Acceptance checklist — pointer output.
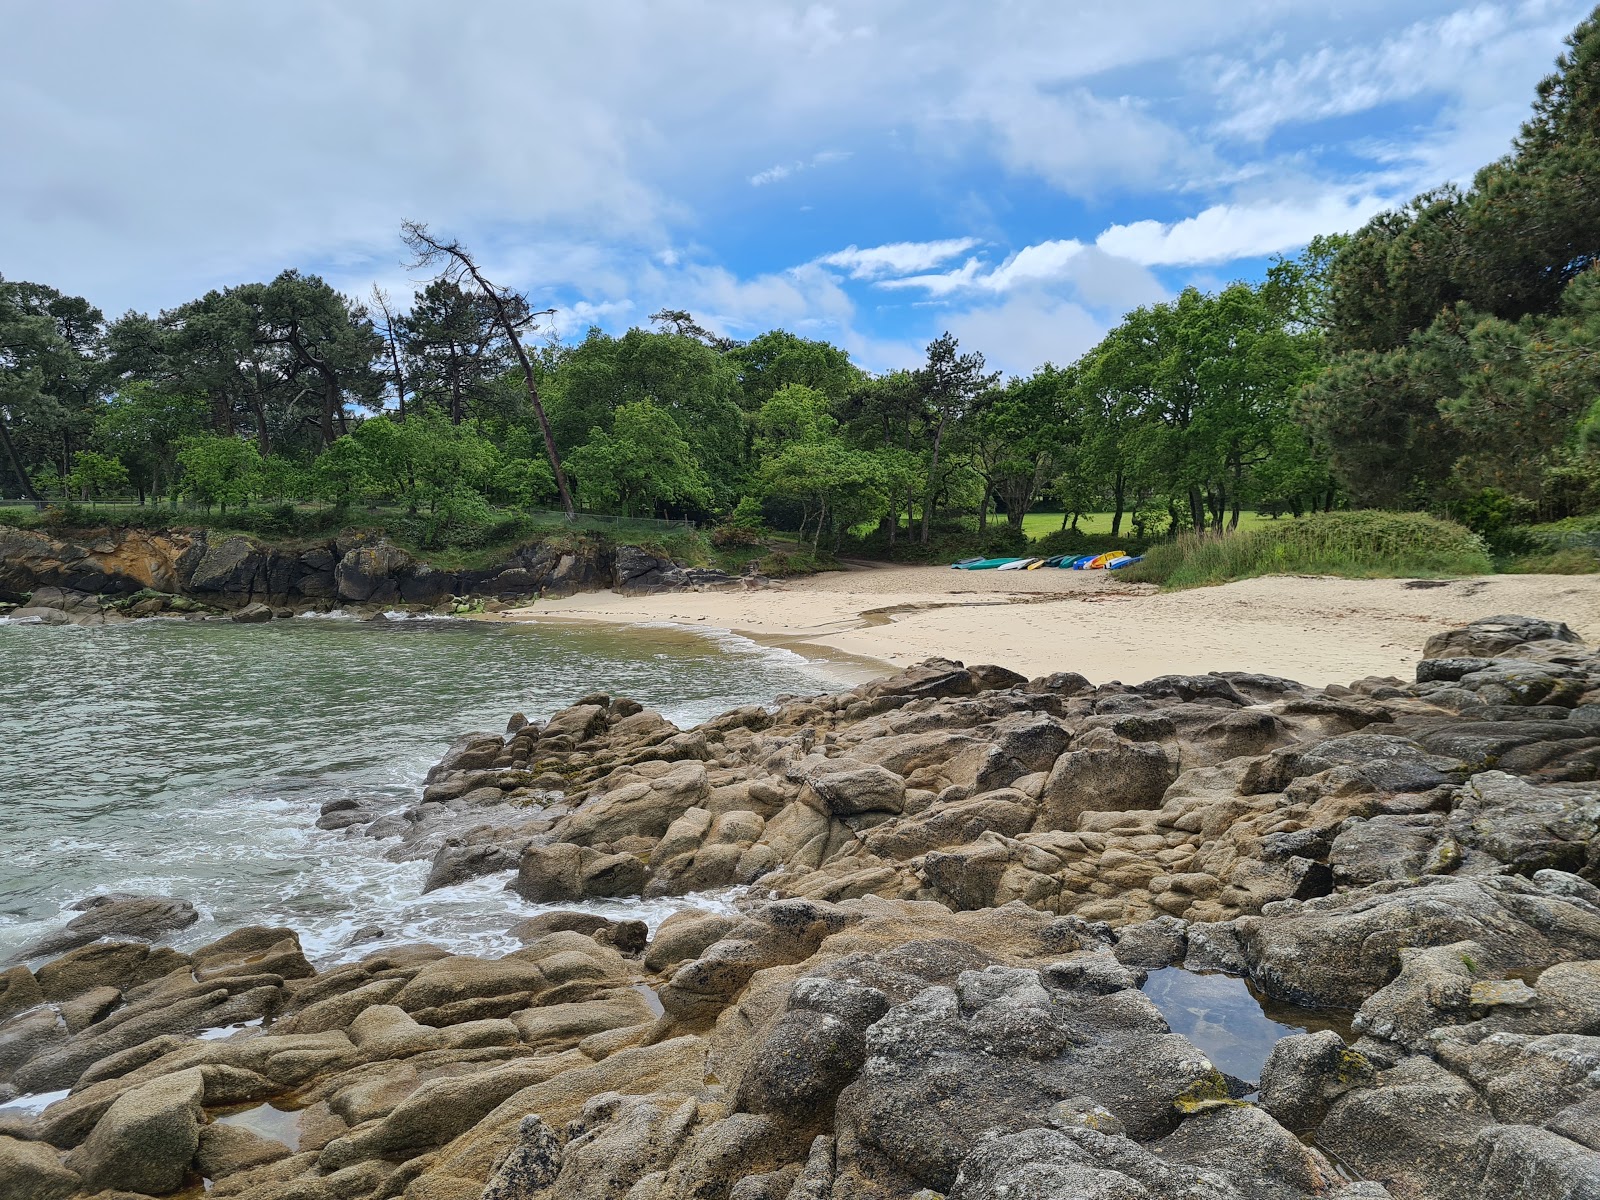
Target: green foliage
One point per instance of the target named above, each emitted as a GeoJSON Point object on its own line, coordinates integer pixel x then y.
{"type": "Point", "coordinates": [95, 474]}
{"type": "Point", "coordinates": [734, 537]}
{"type": "Point", "coordinates": [218, 470]}
{"type": "Point", "coordinates": [1491, 511]}
{"type": "Point", "coordinates": [1462, 327]}
{"type": "Point", "coordinates": [1575, 560]}
{"type": "Point", "coordinates": [1357, 545]}
{"type": "Point", "coordinates": [643, 461]}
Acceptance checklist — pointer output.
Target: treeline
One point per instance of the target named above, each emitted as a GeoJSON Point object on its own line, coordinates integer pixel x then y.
{"type": "Point", "coordinates": [1444, 358]}
{"type": "Point", "coordinates": [1463, 331]}
{"type": "Point", "coordinates": [289, 391]}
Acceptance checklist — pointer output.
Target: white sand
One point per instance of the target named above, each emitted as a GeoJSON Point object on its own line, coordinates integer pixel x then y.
{"type": "Point", "coordinates": [1314, 629]}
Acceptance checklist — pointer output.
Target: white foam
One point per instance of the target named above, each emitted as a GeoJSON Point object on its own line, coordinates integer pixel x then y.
{"type": "Point", "coordinates": [33, 1103]}
{"type": "Point", "coordinates": [217, 1032]}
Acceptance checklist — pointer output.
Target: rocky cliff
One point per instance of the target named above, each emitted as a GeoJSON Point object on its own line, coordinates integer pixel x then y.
{"type": "Point", "coordinates": [233, 572]}
{"type": "Point", "coordinates": [957, 883]}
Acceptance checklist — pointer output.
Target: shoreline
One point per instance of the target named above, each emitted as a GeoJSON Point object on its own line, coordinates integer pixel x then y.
{"type": "Point", "coordinates": [1316, 629]}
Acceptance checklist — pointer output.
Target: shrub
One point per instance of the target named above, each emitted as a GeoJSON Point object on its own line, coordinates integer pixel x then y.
{"type": "Point", "coordinates": [1574, 560]}
{"type": "Point", "coordinates": [734, 537]}
{"type": "Point", "coordinates": [1358, 545]}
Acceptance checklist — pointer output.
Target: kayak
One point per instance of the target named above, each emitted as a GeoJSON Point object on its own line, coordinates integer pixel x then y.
{"type": "Point", "coordinates": [981, 564]}
{"type": "Point", "coordinates": [1080, 563]}
{"type": "Point", "coordinates": [1017, 564]}
{"type": "Point", "coordinates": [1058, 560]}
{"type": "Point", "coordinates": [1125, 561]}
{"type": "Point", "coordinates": [1099, 562]}
{"type": "Point", "coordinates": [1037, 563]}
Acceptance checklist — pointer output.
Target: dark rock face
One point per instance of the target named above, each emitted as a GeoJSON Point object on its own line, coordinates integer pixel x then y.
{"type": "Point", "coordinates": [239, 572]}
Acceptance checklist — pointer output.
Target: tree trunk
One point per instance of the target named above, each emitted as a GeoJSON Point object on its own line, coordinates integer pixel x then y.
{"type": "Point", "coordinates": [933, 478]}
{"type": "Point", "coordinates": [455, 386]}
{"type": "Point", "coordinates": [330, 401]}
{"type": "Point", "coordinates": [533, 395]}
{"type": "Point", "coordinates": [1197, 510]}
{"type": "Point", "coordinates": [263, 438]}
{"type": "Point", "coordinates": [16, 462]}
{"type": "Point", "coordinates": [1119, 496]}
{"type": "Point", "coordinates": [983, 509]}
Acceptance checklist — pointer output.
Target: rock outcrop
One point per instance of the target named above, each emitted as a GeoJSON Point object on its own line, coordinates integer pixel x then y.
{"type": "Point", "coordinates": [117, 573]}
{"type": "Point", "coordinates": [951, 884]}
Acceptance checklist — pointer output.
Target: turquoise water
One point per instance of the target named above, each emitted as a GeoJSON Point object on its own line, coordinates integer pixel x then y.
{"type": "Point", "coordinates": [191, 758]}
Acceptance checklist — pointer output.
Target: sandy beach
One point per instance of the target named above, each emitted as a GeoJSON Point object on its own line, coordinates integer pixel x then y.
{"type": "Point", "coordinates": [1314, 629]}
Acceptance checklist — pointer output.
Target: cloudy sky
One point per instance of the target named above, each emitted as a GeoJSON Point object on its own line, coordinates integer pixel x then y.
{"type": "Point", "coordinates": [873, 172]}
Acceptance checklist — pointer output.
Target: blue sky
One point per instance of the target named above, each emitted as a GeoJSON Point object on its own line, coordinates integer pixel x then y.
{"type": "Point", "coordinates": [1018, 172]}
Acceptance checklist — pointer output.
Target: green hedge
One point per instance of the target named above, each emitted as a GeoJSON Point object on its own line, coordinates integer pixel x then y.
{"type": "Point", "coordinates": [1357, 545]}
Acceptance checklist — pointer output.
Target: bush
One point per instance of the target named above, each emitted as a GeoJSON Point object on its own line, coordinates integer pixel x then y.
{"type": "Point", "coordinates": [1356, 545]}
{"type": "Point", "coordinates": [1575, 560]}
{"type": "Point", "coordinates": [734, 537]}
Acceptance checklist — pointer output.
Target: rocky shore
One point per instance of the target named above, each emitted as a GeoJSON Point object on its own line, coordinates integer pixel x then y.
{"type": "Point", "coordinates": [113, 575]}
{"type": "Point", "coordinates": [951, 885]}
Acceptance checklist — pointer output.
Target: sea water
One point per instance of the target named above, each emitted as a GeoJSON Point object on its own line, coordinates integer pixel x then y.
{"type": "Point", "coordinates": [191, 758]}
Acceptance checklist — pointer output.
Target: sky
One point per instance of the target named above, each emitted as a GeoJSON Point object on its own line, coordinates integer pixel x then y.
{"type": "Point", "coordinates": [1018, 172]}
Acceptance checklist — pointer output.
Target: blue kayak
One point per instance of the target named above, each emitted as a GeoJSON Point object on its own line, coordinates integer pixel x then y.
{"type": "Point", "coordinates": [982, 564]}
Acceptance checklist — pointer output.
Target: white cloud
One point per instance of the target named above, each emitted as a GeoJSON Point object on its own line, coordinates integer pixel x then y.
{"type": "Point", "coordinates": [1475, 53]}
{"type": "Point", "coordinates": [1027, 330]}
{"type": "Point", "coordinates": [774, 174]}
{"type": "Point", "coordinates": [783, 170]}
{"type": "Point", "coordinates": [192, 151]}
{"type": "Point", "coordinates": [1226, 232]}
{"type": "Point", "coordinates": [1094, 277]}
{"type": "Point", "coordinates": [896, 258]}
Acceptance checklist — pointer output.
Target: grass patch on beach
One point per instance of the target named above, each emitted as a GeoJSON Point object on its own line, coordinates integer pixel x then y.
{"type": "Point", "coordinates": [1355, 545]}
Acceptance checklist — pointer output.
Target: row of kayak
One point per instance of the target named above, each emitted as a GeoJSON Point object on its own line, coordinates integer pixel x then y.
{"type": "Point", "coordinates": [1110, 560]}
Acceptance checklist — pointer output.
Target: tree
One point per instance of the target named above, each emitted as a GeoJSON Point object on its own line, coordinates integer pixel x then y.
{"type": "Point", "coordinates": [341, 470]}
{"type": "Point", "coordinates": [778, 359]}
{"type": "Point", "coordinates": [52, 374]}
{"type": "Point", "coordinates": [1016, 437]}
{"type": "Point", "coordinates": [457, 349]}
{"type": "Point", "coordinates": [392, 329]}
{"type": "Point", "coordinates": [644, 460]}
{"type": "Point", "coordinates": [218, 469]}
{"type": "Point", "coordinates": [144, 427]}
{"type": "Point", "coordinates": [698, 386]}
{"type": "Point", "coordinates": [1461, 352]}
{"type": "Point", "coordinates": [885, 414]}
{"type": "Point", "coordinates": [511, 310]}
{"type": "Point", "coordinates": [949, 384]}
{"type": "Point", "coordinates": [330, 337]}
{"type": "Point", "coordinates": [95, 475]}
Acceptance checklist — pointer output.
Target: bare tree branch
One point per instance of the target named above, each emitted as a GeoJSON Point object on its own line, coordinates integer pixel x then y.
{"type": "Point", "coordinates": [511, 310]}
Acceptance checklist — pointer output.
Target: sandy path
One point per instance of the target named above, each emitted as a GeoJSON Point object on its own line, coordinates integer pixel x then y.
{"type": "Point", "coordinates": [1314, 629]}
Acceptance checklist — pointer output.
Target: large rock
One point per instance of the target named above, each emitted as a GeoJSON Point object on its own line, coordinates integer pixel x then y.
{"type": "Point", "coordinates": [370, 573]}
{"type": "Point", "coordinates": [1113, 776]}
{"type": "Point", "coordinates": [145, 917]}
{"type": "Point", "coordinates": [1335, 951]}
{"type": "Point", "coordinates": [999, 1049]}
{"type": "Point", "coordinates": [1490, 637]}
{"type": "Point", "coordinates": [147, 1138]}
{"type": "Point", "coordinates": [33, 1171]}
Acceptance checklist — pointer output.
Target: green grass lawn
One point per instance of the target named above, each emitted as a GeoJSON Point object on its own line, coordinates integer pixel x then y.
{"type": "Point", "coordinates": [1037, 524]}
